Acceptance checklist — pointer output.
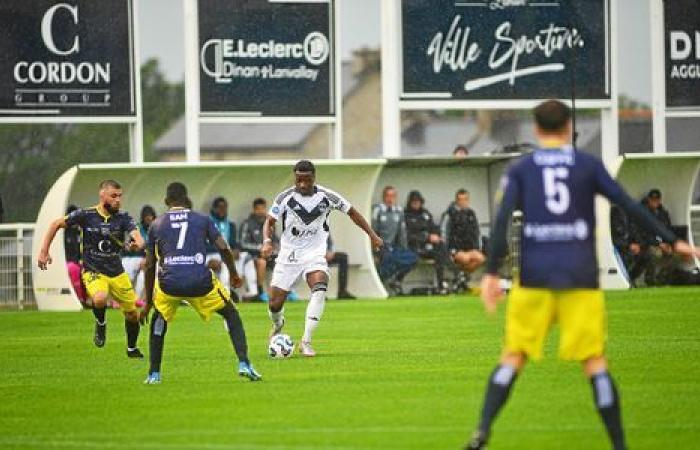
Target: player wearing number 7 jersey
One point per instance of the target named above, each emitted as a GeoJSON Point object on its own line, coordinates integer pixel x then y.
{"type": "Point", "coordinates": [177, 242]}
{"type": "Point", "coordinates": [555, 188]}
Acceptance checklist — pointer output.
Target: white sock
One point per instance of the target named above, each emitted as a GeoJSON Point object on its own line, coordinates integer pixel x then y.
{"type": "Point", "coordinates": [314, 311]}
{"type": "Point", "coordinates": [276, 317]}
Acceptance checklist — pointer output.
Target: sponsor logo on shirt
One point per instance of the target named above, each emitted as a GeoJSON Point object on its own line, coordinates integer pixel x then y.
{"type": "Point", "coordinates": [184, 260]}
{"type": "Point", "coordinates": [557, 232]}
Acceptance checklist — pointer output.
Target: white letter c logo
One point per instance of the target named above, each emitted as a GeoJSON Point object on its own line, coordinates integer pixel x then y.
{"type": "Point", "coordinates": [47, 35]}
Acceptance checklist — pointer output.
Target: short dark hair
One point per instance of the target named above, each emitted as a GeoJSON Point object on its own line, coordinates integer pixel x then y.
{"type": "Point", "coordinates": [110, 183]}
{"type": "Point", "coordinates": [146, 211]}
{"type": "Point", "coordinates": [460, 148]}
{"type": "Point", "coordinates": [176, 194]}
{"type": "Point", "coordinates": [259, 201]}
{"type": "Point", "coordinates": [552, 115]}
{"type": "Point", "coordinates": [654, 193]}
{"type": "Point", "coordinates": [461, 192]}
{"type": "Point", "coordinates": [305, 166]}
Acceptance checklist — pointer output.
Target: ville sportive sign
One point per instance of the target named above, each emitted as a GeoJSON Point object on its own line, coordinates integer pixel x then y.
{"type": "Point", "coordinates": [682, 43]}
{"type": "Point", "coordinates": [56, 58]}
{"type": "Point", "coordinates": [262, 58]}
{"type": "Point", "coordinates": [505, 49]}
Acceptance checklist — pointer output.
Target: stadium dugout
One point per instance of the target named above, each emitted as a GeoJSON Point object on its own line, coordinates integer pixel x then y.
{"type": "Point", "coordinates": [361, 181]}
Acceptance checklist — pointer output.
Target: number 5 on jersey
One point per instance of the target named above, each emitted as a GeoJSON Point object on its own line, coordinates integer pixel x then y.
{"type": "Point", "coordinates": [183, 232]}
{"type": "Point", "coordinates": [556, 192]}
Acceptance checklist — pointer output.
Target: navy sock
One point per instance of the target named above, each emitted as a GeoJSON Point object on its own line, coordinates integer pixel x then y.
{"type": "Point", "coordinates": [157, 340]}
{"type": "Point", "coordinates": [234, 325]}
{"type": "Point", "coordinates": [497, 392]}
{"type": "Point", "coordinates": [607, 400]}
{"type": "Point", "coordinates": [99, 314]}
{"type": "Point", "coordinates": [132, 333]}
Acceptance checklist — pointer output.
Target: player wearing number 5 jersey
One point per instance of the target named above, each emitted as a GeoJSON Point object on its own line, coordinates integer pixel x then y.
{"type": "Point", "coordinates": [177, 241]}
{"type": "Point", "coordinates": [555, 188]}
{"type": "Point", "coordinates": [303, 210]}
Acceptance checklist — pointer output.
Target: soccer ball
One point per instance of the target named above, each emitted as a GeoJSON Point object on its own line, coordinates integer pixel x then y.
{"type": "Point", "coordinates": [281, 346]}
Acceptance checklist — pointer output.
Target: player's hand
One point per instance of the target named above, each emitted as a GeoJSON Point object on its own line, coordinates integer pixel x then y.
{"type": "Point", "coordinates": [266, 250]}
{"type": "Point", "coordinates": [491, 292]}
{"type": "Point", "coordinates": [236, 281]}
{"type": "Point", "coordinates": [44, 260]}
{"type": "Point", "coordinates": [143, 314]}
{"type": "Point", "coordinates": [377, 242]}
{"type": "Point", "coordinates": [685, 250]}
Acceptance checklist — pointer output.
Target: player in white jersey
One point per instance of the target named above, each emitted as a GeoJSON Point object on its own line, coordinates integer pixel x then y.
{"type": "Point", "coordinates": [303, 211]}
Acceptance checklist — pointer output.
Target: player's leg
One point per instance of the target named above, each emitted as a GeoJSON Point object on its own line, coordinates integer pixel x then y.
{"type": "Point", "coordinates": [98, 291]}
{"type": "Point", "coordinates": [260, 274]}
{"type": "Point", "coordinates": [283, 278]}
{"type": "Point", "coordinates": [123, 293]}
{"type": "Point", "coordinates": [234, 326]}
{"type": "Point", "coordinates": [156, 342]}
{"type": "Point", "coordinates": [318, 283]}
{"type": "Point", "coordinates": [582, 321]}
{"type": "Point", "coordinates": [250, 275]}
{"type": "Point", "coordinates": [529, 315]}
{"type": "Point", "coordinates": [341, 260]}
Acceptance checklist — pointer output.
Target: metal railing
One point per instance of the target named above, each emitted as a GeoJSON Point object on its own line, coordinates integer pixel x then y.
{"type": "Point", "coordinates": [16, 265]}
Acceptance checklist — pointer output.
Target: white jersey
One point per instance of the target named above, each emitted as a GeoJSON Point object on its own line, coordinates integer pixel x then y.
{"type": "Point", "coordinates": [305, 222]}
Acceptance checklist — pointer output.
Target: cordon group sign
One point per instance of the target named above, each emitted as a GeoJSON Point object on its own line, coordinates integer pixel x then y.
{"type": "Point", "coordinates": [682, 31]}
{"type": "Point", "coordinates": [56, 58]}
{"type": "Point", "coordinates": [266, 58]}
{"type": "Point", "coordinates": [505, 49]}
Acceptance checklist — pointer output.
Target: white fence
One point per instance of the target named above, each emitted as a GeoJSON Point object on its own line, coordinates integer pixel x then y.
{"type": "Point", "coordinates": [16, 265]}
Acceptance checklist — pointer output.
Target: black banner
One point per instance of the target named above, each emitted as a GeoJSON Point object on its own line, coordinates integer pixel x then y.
{"type": "Point", "coordinates": [261, 58]}
{"type": "Point", "coordinates": [66, 58]}
{"type": "Point", "coordinates": [505, 49]}
{"type": "Point", "coordinates": [682, 31]}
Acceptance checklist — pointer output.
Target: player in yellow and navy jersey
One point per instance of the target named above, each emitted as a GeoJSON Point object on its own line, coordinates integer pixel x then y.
{"type": "Point", "coordinates": [177, 244]}
{"type": "Point", "coordinates": [103, 229]}
{"type": "Point", "coordinates": [555, 189]}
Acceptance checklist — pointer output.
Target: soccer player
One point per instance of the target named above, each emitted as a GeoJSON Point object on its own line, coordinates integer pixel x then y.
{"type": "Point", "coordinates": [177, 242]}
{"type": "Point", "coordinates": [555, 188]}
{"type": "Point", "coordinates": [103, 228]}
{"type": "Point", "coordinates": [303, 210]}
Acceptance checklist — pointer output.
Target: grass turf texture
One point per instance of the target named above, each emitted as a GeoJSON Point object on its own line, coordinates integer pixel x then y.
{"type": "Point", "coordinates": [399, 374]}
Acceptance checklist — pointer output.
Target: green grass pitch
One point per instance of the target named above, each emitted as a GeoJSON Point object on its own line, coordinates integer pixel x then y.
{"type": "Point", "coordinates": [400, 374]}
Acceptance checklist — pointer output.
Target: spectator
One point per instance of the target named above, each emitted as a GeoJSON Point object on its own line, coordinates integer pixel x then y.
{"type": "Point", "coordinates": [395, 259]}
{"type": "Point", "coordinates": [460, 230]}
{"type": "Point", "coordinates": [620, 232]}
{"type": "Point", "coordinates": [244, 262]}
{"type": "Point", "coordinates": [251, 241]}
{"type": "Point", "coordinates": [339, 259]}
{"type": "Point", "coordinates": [654, 257]}
{"type": "Point", "coordinates": [133, 261]}
{"type": "Point", "coordinates": [460, 152]}
{"type": "Point", "coordinates": [424, 237]}
{"type": "Point", "coordinates": [71, 243]}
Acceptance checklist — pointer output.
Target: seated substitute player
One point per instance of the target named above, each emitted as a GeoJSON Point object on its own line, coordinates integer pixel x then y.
{"type": "Point", "coordinates": [103, 227]}
{"type": "Point", "coordinates": [177, 241]}
{"type": "Point", "coordinates": [303, 211]}
{"type": "Point", "coordinates": [460, 229]}
{"type": "Point", "coordinates": [555, 188]}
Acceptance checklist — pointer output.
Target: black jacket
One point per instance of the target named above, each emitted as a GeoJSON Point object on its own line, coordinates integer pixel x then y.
{"type": "Point", "coordinates": [419, 225]}
{"type": "Point", "coordinates": [251, 235]}
{"type": "Point", "coordinates": [640, 235]}
{"type": "Point", "coordinates": [619, 227]}
{"type": "Point", "coordinates": [460, 229]}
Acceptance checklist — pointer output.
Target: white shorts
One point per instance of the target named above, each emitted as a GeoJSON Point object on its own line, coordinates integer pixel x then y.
{"type": "Point", "coordinates": [285, 275]}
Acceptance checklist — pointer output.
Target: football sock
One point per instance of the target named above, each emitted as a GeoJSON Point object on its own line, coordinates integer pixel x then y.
{"type": "Point", "coordinates": [499, 387]}
{"type": "Point", "coordinates": [158, 329]}
{"type": "Point", "coordinates": [234, 325]}
{"type": "Point", "coordinates": [607, 400]}
{"type": "Point", "coordinates": [99, 314]}
{"type": "Point", "coordinates": [132, 333]}
{"type": "Point", "coordinates": [276, 317]}
{"type": "Point", "coordinates": [315, 309]}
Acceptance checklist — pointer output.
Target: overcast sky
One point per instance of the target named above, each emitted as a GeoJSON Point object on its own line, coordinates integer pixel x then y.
{"type": "Point", "coordinates": [162, 27]}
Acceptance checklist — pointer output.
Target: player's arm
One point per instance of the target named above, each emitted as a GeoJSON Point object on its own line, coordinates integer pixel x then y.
{"type": "Point", "coordinates": [491, 291]}
{"type": "Point", "coordinates": [137, 241]}
{"type": "Point", "coordinates": [612, 190]}
{"type": "Point", "coordinates": [361, 222]}
{"type": "Point", "coordinates": [268, 232]}
{"type": "Point", "coordinates": [44, 258]}
{"type": "Point", "coordinates": [229, 259]}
